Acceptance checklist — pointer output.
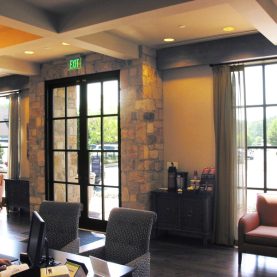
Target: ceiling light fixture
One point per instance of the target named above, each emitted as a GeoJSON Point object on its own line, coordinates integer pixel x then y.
{"type": "Point", "coordinates": [228, 29]}
{"type": "Point", "coordinates": [65, 44]}
{"type": "Point", "coordinates": [169, 39]}
{"type": "Point", "coordinates": [182, 26]}
{"type": "Point", "coordinates": [29, 52]}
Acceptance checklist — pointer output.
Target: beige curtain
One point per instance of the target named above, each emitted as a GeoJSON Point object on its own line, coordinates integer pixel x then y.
{"type": "Point", "coordinates": [240, 175]}
{"type": "Point", "coordinates": [13, 164]}
{"type": "Point", "coordinates": [229, 121]}
{"type": "Point", "coordinates": [224, 122]}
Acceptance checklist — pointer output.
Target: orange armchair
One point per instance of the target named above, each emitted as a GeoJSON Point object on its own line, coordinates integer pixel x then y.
{"type": "Point", "coordinates": [257, 232]}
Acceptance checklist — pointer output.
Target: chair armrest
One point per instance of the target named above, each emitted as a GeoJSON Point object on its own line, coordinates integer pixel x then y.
{"type": "Point", "coordinates": [247, 223]}
{"type": "Point", "coordinates": [141, 265]}
{"type": "Point", "coordinates": [97, 252]}
{"type": "Point", "coordinates": [72, 247]}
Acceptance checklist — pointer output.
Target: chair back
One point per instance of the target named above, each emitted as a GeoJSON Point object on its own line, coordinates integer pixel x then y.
{"type": "Point", "coordinates": [267, 209]}
{"type": "Point", "coordinates": [62, 222]}
{"type": "Point", "coordinates": [128, 234]}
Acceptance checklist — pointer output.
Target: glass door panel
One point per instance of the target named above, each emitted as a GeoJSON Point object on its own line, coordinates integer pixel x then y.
{"type": "Point", "coordinates": [59, 166]}
{"type": "Point", "coordinates": [60, 192]}
{"type": "Point", "coordinates": [58, 102]}
{"type": "Point", "coordinates": [95, 202]}
{"type": "Point", "coordinates": [94, 98]}
{"type": "Point", "coordinates": [72, 167]}
{"type": "Point", "coordinates": [110, 97]}
{"type": "Point", "coordinates": [102, 134]}
{"type": "Point", "coordinates": [74, 193]}
{"type": "Point", "coordinates": [111, 200]}
{"type": "Point", "coordinates": [59, 134]}
{"type": "Point", "coordinates": [83, 131]}
{"type": "Point", "coordinates": [66, 139]}
{"type": "Point", "coordinates": [72, 134]}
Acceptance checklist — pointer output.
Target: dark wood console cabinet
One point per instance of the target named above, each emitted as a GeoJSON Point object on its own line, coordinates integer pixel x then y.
{"type": "Point", "coordinates": [188, 213]}
{"type": "Point", "coordinates": [17, 195]}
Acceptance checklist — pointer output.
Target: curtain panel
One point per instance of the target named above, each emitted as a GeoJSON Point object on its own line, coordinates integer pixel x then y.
{"type": "Point", "coordinates": [224, 131]}
{"type": "Point", "coordinates": [229, 121]}
{"type": "Point", "coordinates": [240, 151]}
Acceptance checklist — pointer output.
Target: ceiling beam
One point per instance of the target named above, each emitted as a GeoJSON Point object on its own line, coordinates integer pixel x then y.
{"type": "Point", "coordinates": [262, 14]}
{"type": "Point", "coordinates": [23, 16]}
{"type": "Point", "coordinates": [110, 11]}
{"type": "Point", "coordinates": [15, 66]}
{"type": "Point", "coordinates": [228, 50]}
{"type": "Point", "coordinates": [109, 44]}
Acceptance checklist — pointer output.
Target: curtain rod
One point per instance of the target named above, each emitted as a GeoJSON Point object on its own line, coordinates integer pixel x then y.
{"type": "Point", "coordinates": [273, 58]}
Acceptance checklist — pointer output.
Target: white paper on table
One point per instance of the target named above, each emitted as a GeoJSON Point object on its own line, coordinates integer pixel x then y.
{"type": "Point", "coordinates": [100, 267]}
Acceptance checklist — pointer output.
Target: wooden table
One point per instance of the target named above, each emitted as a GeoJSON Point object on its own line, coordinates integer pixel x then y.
{"type": "Point", "coordinates": [13, 248]}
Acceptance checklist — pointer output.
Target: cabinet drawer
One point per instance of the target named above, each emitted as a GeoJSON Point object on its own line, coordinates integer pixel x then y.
{"type": "Point", "coordinates": [191, 215]}
{"type": "Point", "coordinates": [167, 212]}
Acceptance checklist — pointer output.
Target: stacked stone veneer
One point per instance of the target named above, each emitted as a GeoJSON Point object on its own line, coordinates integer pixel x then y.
{"type": "Point", "coordinates": [141, 115]}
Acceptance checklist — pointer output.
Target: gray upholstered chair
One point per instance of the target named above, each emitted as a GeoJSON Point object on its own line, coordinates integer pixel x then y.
{"type": "Point", "coordinates": [127, 239]}
{"type": "Point", "coordinates": [62, 222]}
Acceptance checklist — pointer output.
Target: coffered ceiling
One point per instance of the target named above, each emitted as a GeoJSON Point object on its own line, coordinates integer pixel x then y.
{"type": "Point", "coordinates": [53, 29]}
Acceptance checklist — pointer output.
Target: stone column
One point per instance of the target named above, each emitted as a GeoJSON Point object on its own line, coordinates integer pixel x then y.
{"type": "Point", "coordinates": [141, 131]}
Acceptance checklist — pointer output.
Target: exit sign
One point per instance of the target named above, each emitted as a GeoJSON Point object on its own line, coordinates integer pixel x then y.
{"type": "Point", "coordinates": [75, 63]}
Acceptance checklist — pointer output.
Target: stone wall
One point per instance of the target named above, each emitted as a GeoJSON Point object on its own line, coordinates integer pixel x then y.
{"type": "Point", "coordinates": [141, 115]}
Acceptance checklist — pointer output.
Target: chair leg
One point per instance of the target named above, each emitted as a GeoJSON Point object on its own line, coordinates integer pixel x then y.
{"type": "Point", "coordinates": [239, 258]}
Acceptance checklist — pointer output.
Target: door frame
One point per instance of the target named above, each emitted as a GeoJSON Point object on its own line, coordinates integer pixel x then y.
{"type": "Point", "coordinates": [85, 221]}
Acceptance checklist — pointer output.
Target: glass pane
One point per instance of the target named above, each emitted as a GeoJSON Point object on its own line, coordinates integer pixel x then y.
{"type": "Point", "coordinates": [94, 132]}
{"type": "Point", "coordinates": [111, 200]}
{"type": "Point", "coordinates": [110, 97]}
{"type": "Point", "coordinates": [4, 110]}
{"type": "Point", "coordinates": [59, 192]}
{"type": "Point", "coordinates": [3, 160]}
{"type": "Point", "coordinates": [110, 130]}
{"type": "Point", "coordinates": [271, 84]}
{"type": "Point", "coordinates": [255, 168]}
{"type": "Point", "coordinates": [59, 166]}
{"type": "Point", "coordinates": [59, 134]}
{"type": "Point", "coordinates": [94, 202]}
{"type": "Point", "coordinates": [73, 134]}
{"type": "Point", "coordinates": [254, 85]}
{"type": "Point", "coordinates": [252, 199]}
{"type": "Point", "coordinates": [58, 102]}
{"type": "Point", "coordinates": [254, 126]}
{"type": "Point", "coordinates": [94, 99]}
{"type": "Point", "coordinates": [73, 100]}
{"type": "Point", "coordinates": [4, 134]}
{"type": "Point", "coordinates": [95, 168]}
{"type": "Point", "coordinates": [271, 124]}
{"type": "Point", "coordinates": [271, 168]}
{"type": "Point", "coordinates": [73, 193]}
{"type": "Point", "coordinates": [72, 167]}
{"type": "Point", "coordinates": [111, 169]}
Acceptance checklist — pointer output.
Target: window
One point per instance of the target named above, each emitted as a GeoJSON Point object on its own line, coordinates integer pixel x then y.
{"type": "Point", "coordinates": [261, 119]}
{"type": "Point", "coordinates": [4, 133]}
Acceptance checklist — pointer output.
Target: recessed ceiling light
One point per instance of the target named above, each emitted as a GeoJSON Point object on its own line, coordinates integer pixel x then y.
{"type": "Point", "coordinates": [182, 26]}
{"type": "Point", "coordinates": [65, 44]}
{"type": "Point", "coordinates": [29, 52]}
{"type": "Point", "coordinates": [169, 39]}
{"type": "Point", "coordinates": [228, 29]}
